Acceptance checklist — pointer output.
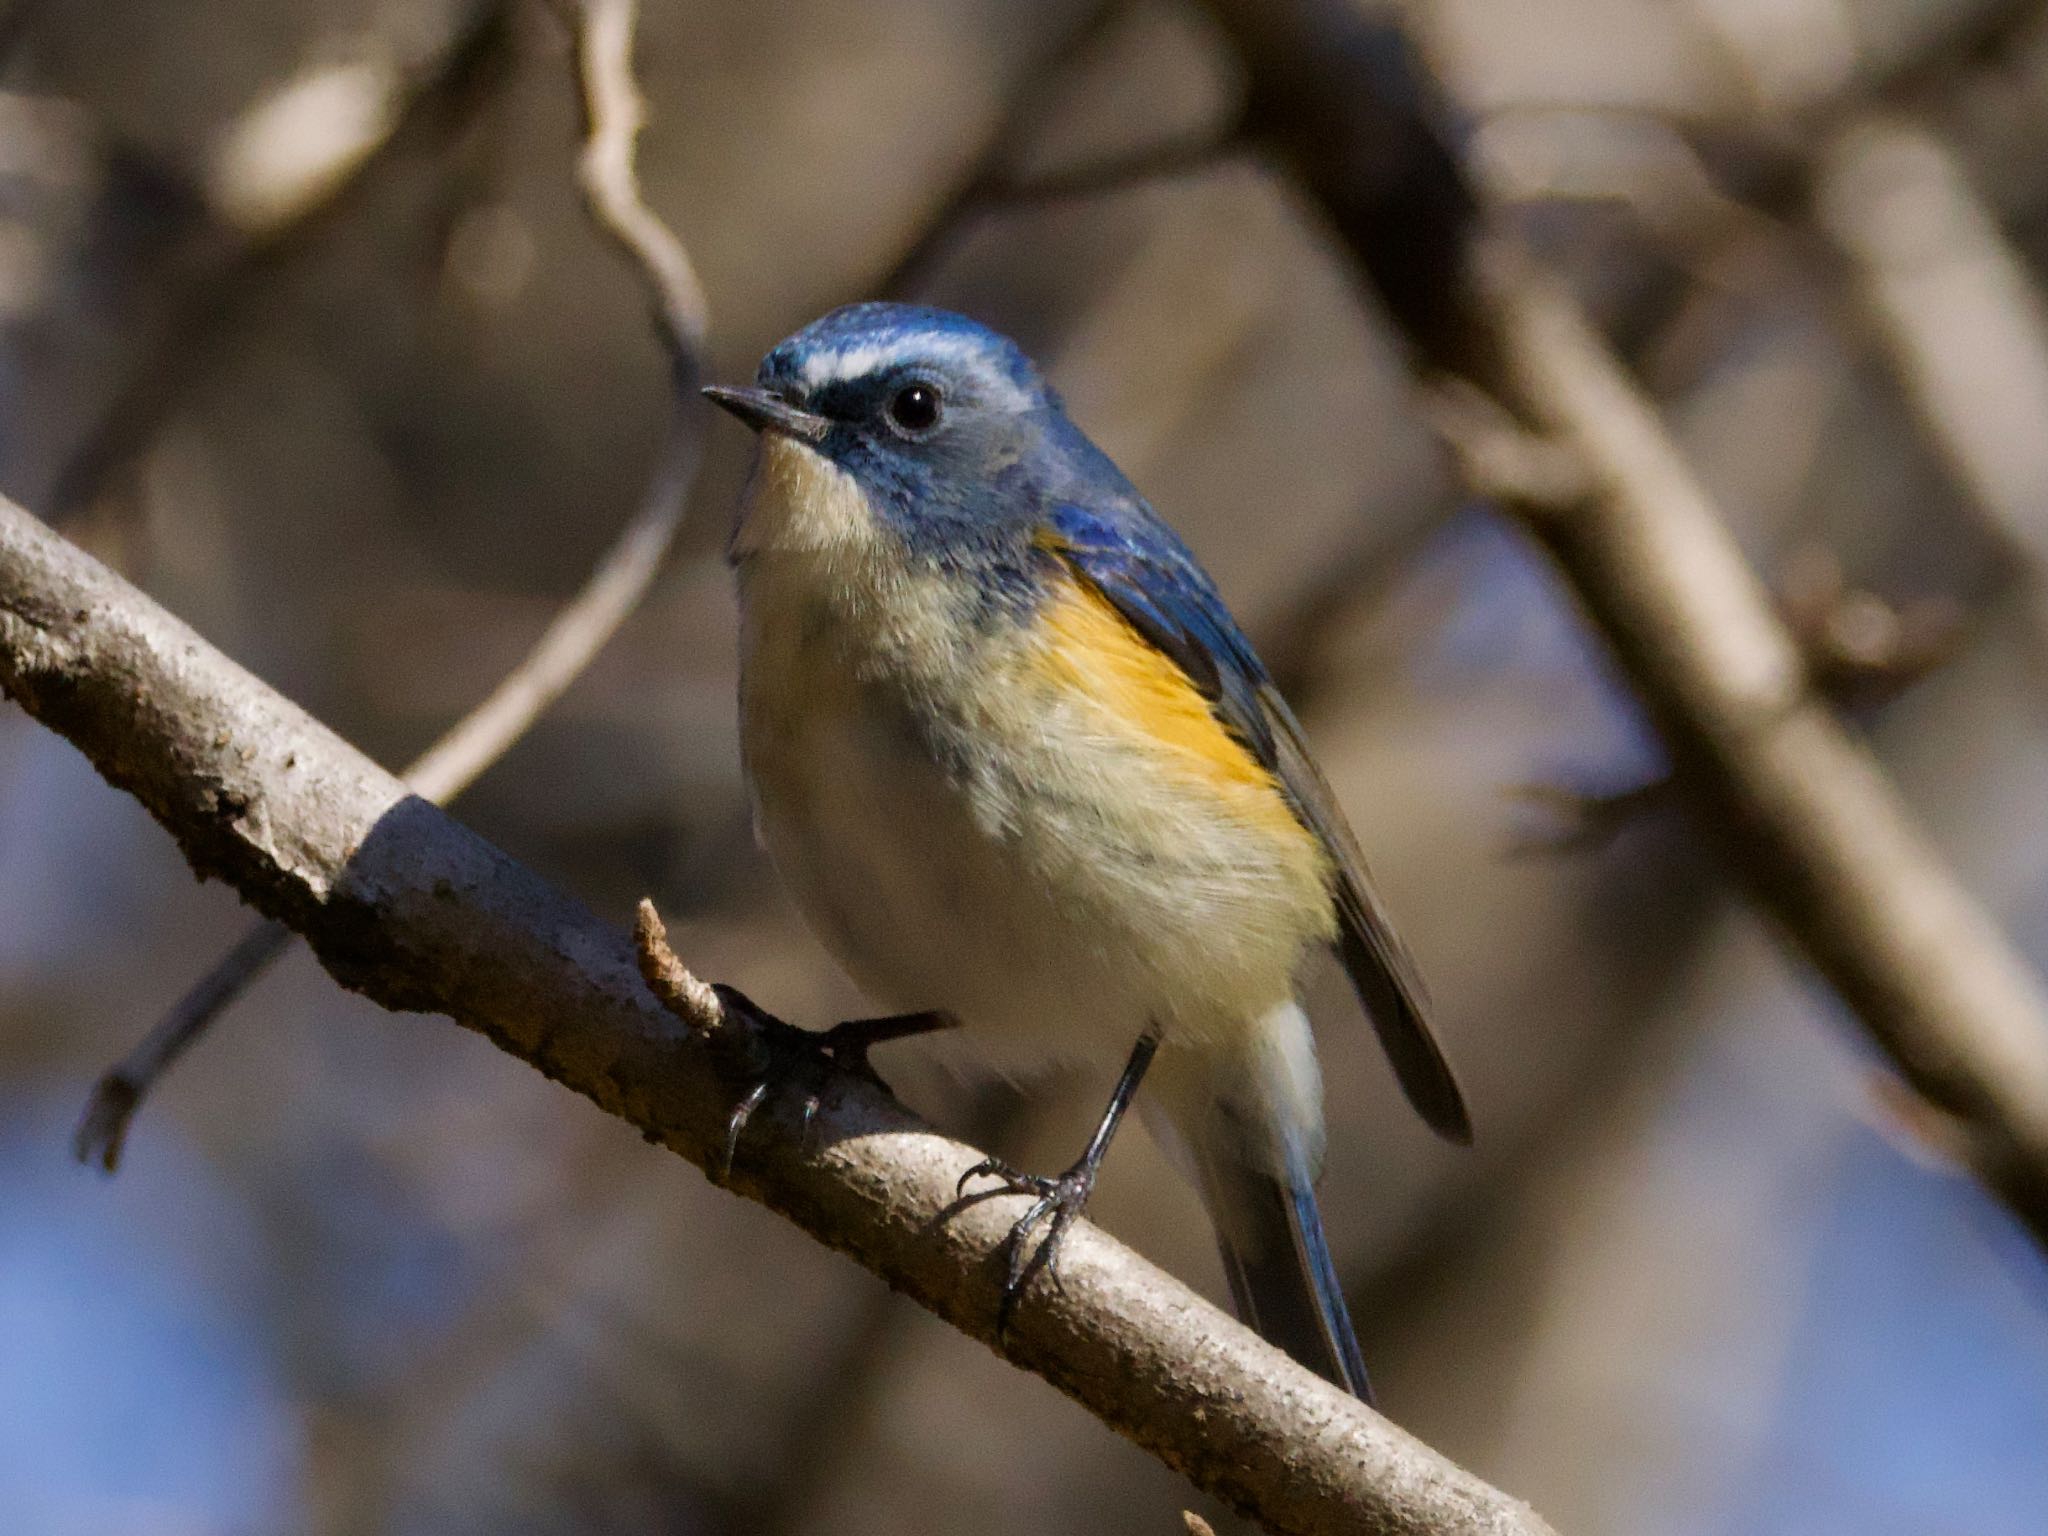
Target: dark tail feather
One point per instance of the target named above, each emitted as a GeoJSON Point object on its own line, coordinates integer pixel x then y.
{"type": "Point", "coordinates": [1283, 1279]}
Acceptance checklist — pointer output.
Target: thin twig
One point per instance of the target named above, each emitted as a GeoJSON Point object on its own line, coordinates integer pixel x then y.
{"type": "Point", "coordinates": [1863, 649]}
{"type": "Point", "coordinates": [102, 1130]}
{"type": "Point", "coordinates": [1499, 457]}
{"type": "Point", "coordinates": [404, 904]}
{"type": "Point", "coordinates": [1951, 302]}
{"type": "Point", "coordinates": [1957, 311]}
{"type": "Point", "coordinates": [613, 115]}
{"type": "Point", "coordinates": [447, 768]}
{"type": "Point", "coordinates": [1198, 149]}
{"type": "Point", "coordinates": [1861, 652]}
{"type": "Point", "coordinates": [576, 634]}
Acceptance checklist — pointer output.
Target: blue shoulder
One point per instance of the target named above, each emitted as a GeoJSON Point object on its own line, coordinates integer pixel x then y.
{"type": "Point", "coordinates": [1149, 576]}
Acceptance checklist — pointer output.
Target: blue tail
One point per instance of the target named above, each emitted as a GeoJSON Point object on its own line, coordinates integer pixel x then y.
{"type": "Point", "coordinates": [1282, 1277]}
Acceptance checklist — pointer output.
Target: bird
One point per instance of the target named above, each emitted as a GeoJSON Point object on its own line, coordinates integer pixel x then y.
{"type": "Point", "coordinates": [1026, 779]}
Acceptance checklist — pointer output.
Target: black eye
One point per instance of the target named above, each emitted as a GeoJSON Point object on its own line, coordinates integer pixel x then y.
{"type": "Point", "coordinates": [915, 408]}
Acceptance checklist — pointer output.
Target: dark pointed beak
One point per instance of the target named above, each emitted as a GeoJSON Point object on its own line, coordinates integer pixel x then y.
{"type": "Point", "coordinates": [766, 412]}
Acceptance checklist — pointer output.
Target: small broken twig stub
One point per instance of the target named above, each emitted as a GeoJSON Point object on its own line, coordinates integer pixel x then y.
{"type": "Point", "coordinates": [682, 992]}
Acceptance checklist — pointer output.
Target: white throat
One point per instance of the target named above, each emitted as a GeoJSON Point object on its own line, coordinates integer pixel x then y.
{"type": "Point", "coordinates": [798, 501]}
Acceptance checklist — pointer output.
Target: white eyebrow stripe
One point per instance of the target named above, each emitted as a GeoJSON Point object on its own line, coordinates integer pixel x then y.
{"type": "Point", "coordinates": [849, 363]}
{"type": "Point", "coordinates": [838, 366]}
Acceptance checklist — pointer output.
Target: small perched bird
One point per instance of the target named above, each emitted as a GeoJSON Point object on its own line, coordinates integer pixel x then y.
{"type": "Point", "coordinates": [1024, 774]}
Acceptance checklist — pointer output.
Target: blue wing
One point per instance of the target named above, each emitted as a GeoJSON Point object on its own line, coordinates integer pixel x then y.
{"type": "Point", "coordinates": [1144, 571]}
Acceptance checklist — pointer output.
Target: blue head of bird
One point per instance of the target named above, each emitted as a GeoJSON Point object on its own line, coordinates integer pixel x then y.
{"type": "Point", "coordinates": [950, 434]}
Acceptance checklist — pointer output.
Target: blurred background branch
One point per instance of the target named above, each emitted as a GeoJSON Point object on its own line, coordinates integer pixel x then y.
{"type": "Point", "coordinates": [268, 195]}
{"type": "Point", "coordinates": [1957, 312]}
{"type": "Point", "coordinates": [613, 114]}
{"type": "Point", "coordinates": [1800, 807]}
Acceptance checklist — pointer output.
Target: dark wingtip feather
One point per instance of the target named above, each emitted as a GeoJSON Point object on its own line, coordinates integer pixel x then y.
{"type": "Point", "coordinates": [1419, 1065]}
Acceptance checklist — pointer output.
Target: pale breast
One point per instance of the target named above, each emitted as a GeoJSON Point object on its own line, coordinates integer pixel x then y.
{"type": "Point", "coordinates": [970, 826]}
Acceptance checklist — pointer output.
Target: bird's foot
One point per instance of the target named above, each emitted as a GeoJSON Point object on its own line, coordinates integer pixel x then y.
{"type": "Point", "coordinates": [803, 1060]}
{"type": "Point", "coordinates": [1056, 1203]}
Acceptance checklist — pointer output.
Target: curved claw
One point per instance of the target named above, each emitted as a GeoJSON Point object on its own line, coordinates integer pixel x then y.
{"type": "Point", "coordinates": [1063, 1199]}
{"type": "Point", "coordinates": [1020, 1230]}
{"type": "Point", "coordinates": [780, 1055]}
{"type": "Point", "coordinates": [845, 1047]}
{"type": "Point", "coordinates": [988, 1167]}
{"type": "Point", "coordinates": [1023, 1270]}
{"type": "Point", "coordinates": [741, 1114]}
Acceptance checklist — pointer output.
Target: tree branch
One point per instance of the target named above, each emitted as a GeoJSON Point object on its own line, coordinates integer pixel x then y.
{"type": "Point", "coordinates": [1797, 804]}
{"type": "Point", "coordinates": [1956, 314]}
{"type": "Point", "coordinates": [558, 657]}
{"type": "Point", "coordinates": [416, 912]}
{"type": "Point", "coordinates": [1801, 806]}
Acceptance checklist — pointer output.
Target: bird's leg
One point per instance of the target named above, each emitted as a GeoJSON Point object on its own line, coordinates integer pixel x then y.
{"type": "Point", "coordinates": [803, 1056]}
{"type": "Point", "coordinates": [1062, 1198]}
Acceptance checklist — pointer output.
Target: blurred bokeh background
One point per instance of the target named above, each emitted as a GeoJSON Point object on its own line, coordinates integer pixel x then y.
{"type": "Point", "coordinates": [301, 326]}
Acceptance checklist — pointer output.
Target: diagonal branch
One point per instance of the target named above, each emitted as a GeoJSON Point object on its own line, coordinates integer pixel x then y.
{"type": "Point", "coordinates": [1797, 804]}
{"type": "Point", "coordinates": [410, 908]}
{"type": "Point", "coordinates": [448, 767]}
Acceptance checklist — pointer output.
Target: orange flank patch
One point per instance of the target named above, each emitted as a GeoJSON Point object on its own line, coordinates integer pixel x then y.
{"type": "Point", "coordinates": [1091, 648]}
